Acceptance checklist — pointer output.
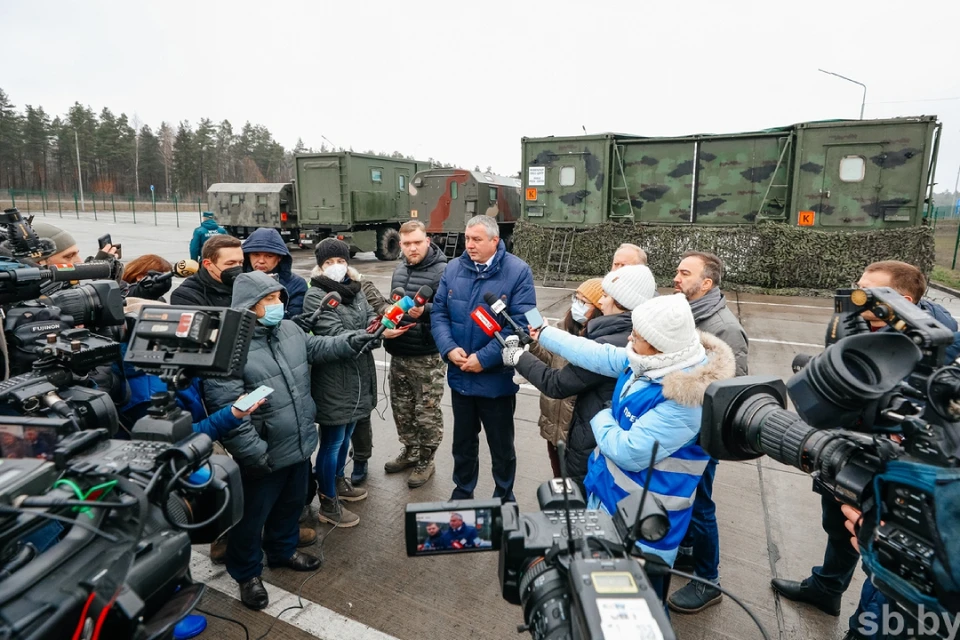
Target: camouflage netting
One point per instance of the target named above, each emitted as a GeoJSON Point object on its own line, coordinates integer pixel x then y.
{"type": "Point", "coordinates": [766, 255]}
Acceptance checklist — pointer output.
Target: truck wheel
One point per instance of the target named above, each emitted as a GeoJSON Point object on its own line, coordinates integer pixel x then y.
{"type": "Point", "coordinates": [508, 242]}
{"type": "Point", "coordinates": [388, 244]}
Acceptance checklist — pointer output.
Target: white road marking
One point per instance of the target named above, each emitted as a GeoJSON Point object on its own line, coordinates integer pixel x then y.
{"type": "Point", "coordinates": [792, 344]}
{"type": "Point", "coordinates": [313, 618]}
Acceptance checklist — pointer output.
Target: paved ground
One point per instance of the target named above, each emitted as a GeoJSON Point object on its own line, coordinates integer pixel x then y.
{"type": "Point", "coordinates": [769, 518]}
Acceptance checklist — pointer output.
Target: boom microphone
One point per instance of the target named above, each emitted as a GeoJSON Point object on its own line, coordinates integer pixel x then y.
{"type": "Point", "coordinates": [500, 307]}
{"type": "Point", "coordinates": [490, 326]}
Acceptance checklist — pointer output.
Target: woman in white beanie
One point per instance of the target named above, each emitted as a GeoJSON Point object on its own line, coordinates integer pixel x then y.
{"type": "Point", "coordinates": [661, 378]}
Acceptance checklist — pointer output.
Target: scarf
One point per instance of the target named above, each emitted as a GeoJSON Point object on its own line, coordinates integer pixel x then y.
{"type": "Point", "coordinates": [711, 302]}
{"type": "Point", "coordinates": [348, 290]}
{"type": "Point", "coordinates": [659, 365]}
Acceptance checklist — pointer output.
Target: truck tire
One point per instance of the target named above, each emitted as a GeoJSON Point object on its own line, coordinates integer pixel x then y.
{"type": "Point", "coordinates": [508, 241]}
{"type": "Point", "coordinates": [388, 244]}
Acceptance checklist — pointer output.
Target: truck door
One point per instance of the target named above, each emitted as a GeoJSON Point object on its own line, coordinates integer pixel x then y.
{"type": "Point", "coordinates": [850, 186]}
{"type": "Point", "coordinates": [568, 180]}
{"type": "Point", "coordinates": [319, 185]}
{"type": "Point", "coordinates": [401, 179]}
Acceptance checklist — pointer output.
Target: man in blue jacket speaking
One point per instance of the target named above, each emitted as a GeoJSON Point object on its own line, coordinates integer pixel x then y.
{"type": "Point", "coordinates": [482, 389]}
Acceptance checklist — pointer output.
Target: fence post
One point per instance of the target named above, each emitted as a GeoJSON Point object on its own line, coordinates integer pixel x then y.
{"type": "Point", "coordinates": [43, 202]}
{"type": "Point", "coordinates": [76, 204]}
{"type": "Point", "coordinates": [154, 199]}
{"type": "Point", "coordinates": [955, 247]}
{"type": "Point", "coordinates": [176, 207]}
{"type": "Point", "coordinates": [113, 205]}
{"type": "Point", "coordinates": [93, 199]}
{"type": "Point", "coordinates": [133, 205]}
{"type": "Point", "coordinates": [59, 207]}
{"type": "Point", "coordinates": [13, 198]}
{"type": "Point", "coordinates": [199, 209]}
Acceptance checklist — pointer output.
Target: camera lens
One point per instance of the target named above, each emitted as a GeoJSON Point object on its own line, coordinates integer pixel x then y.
{"type": "Point", "coordinates": [545, 597]}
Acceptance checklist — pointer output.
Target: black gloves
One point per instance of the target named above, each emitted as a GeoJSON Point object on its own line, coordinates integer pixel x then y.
{"type": "Point", "coordinates": [152, 287]}
{"type": "Point", "coordinates": [358, 341]}
{"type": "Point", "coordinates": [262, 468]}
{"type": "Point", "coordinates": [304, 321]}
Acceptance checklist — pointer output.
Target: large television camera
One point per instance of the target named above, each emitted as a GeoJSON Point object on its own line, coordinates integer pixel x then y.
{"type": "Point", "coordinates": [567, 566]}
{"type": "Point", "coordinates": [130, 509]}
{"type": "Point", "coordinates": [876, 426]}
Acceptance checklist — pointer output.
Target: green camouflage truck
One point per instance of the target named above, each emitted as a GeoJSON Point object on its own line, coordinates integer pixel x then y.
{"type": "Point", "coordinates": [242, 207]}
{"type": "Point", "coordinates": [362, 199]}
{"type": "Point", "coordinates": [444, 199]}
{"type": "Point", "coordinates": [843, 174]}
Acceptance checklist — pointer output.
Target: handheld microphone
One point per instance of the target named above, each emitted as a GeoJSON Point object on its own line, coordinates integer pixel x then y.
{"type": "Point", "coordinates": [330, 301]}
{"type": "Point", "coordinates": [397, 294]}
{"type": "Point", "coordinates": [182, 269]}
{"type": "Point", "coordinates": [423, 295]}
{"type": "Point", "coordinates": [500, 307]}
{"type": "Point", "coordinates": [394, 313]}
{"type": "Point", "coordinates": [490, 326]}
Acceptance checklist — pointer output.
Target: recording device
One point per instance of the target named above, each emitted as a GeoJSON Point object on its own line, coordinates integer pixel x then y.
{"type": "Point", "coordinates": [19, 237]}
{"type": "Point", "coordinates": [566, 565]}
{"type": "Point", "coordinates": [499, 306]}
{"type": "Point", "coordinates": [534, 318]}
{"type": "Point", "coordinates": [489, 326]}
{"type": "Point", "coordinates": [179, 344]}
{"type": "Point", "coordinates": [104, 240]}
{"type": "Point", "coordinates": [246, 402]}
{"type": "Point", "coordinates": [130, 510]}
{"type": "Point", "coordinates": [860, 387]}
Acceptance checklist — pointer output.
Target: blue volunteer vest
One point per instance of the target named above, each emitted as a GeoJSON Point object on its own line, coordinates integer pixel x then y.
{"type": "Point", "coordinates": [674, 479]}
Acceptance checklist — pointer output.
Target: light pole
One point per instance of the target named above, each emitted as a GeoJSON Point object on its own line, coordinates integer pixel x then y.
{"type": "Point", "coordinates": [864, 101]}
{"type": "Point", "coordinates": [76, 143]}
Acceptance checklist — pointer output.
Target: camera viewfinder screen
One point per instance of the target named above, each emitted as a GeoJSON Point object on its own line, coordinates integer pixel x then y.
{"type": "Point", "coordinates": [454, 531]}
{"type": "Point", "coordinates": [27, 442]}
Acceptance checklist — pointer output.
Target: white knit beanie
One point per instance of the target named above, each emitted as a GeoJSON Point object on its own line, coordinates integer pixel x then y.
{"type": "Point", "coordinates": [666, 323]}
{"type": "Point", "coordinates": [630, 286]}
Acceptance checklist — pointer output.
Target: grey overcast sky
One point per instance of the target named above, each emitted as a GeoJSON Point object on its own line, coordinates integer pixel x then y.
{"type": "Point", "coordinates": [462, 82]}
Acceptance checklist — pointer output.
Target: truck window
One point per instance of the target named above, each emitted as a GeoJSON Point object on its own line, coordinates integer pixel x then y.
{"type": "Point", "coordinates": [852, 168]}
{"type": "Point", "coordinates": [235, 198]}
{"type": "Point", "coordinates": [493, 194]}
{"type": "Point", "coordinates": [376, 175]}
{"type": "Point", "coordinates": [453, 189]}
{"type": "Point", "coordinates": [401, 182]}
{"type": "Point", "coordinates": [262, 200]}
{"type": "Point", "coordinates": [568, 176]}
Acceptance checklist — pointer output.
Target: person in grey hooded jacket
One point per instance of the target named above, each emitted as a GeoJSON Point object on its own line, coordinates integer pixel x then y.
{"type": "Point", "coordinates": [274, 445]}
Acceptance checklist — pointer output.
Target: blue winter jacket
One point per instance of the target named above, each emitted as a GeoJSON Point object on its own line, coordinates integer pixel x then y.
{"type": "Point", "coordinates": [464, 538]}
{"type": "Point", "coordinates": [268, 240]}
{"type": "Point", "coordinates": [219, 424]}
{"type": "Point", "coordinates": [207, 229]}
{"type": "Point", "coordinates": [460, 291]}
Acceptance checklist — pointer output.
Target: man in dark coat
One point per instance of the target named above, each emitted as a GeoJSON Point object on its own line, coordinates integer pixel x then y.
{"type": "Point", "coordinates": [416, 368]}
{"type": "Point", "coordinates": [264, 250]}
{"type": "Point", "coordinates": [477, 374]}
{"type": "Point", "coordinates": [273, 446]}
{"type": "Point", "coordinates": [212, 285]}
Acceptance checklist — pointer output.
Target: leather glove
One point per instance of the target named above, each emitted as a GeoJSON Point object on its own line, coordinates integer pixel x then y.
{"type": "Point", "coordinates": [262, 468]}
{"type": "Point", "coordinates": [303, 321]}
{"type": "Point", "coordinates": [358, 341]}
{"type": "Point", "coordinates": [511, 354]}
{"type": "Point", "coordinates": [150, 287]}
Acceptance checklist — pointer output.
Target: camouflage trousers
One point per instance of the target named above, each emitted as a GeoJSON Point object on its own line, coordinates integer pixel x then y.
{"type": "Point", "coordinates": [416, 389]}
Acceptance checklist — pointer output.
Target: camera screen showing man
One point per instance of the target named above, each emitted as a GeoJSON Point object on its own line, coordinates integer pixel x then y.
{"type": "Point", "coordinates": [453, 531]}
{"type": "Point", "coordinates": [27, 442]}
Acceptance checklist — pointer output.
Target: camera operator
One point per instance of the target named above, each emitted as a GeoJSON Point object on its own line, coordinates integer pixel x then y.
{"type": "Point", "coordinates": [273, 448]}
{"type": "Point", "coordinates": [828, 581]}
{"type": "Point", "coordinates": [662, 375]}
{"type": "Point", "coordinates": [67, 252]}
{"type": "Point", "coordinates": [212, 285]}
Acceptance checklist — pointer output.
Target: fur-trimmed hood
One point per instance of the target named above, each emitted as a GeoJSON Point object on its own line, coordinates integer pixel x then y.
{"type": "Point", "coordinates": [688, 386]}
{"type": "Point", "coordinates": [353, 273]}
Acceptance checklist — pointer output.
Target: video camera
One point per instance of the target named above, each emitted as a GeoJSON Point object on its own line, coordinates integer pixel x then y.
{"type": "Point", "coordinates": [846, 398]}
{"type": "Point", "coordinates": [568, 566]}
{"type": "Point", "coordinates": [131, 508]}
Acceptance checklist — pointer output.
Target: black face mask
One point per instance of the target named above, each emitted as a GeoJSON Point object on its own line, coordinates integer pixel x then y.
{"type": "Point", "coordinates": [229, 276]}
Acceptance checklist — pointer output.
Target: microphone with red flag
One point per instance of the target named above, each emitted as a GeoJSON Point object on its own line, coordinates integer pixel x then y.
{"type": "Point", "coordinates": [490, 326]}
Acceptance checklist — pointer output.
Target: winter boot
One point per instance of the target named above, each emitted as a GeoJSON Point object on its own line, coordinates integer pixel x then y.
{"type": "Point", "coordinates": [421, 473]}
{"type": "Point", "coordinates": [409, 457]}
{"type": "Point", "coordinates": [347, 492]}
{"type": "Point", "coordinates": [218, 551]}
{"type": "Point", "coordinates": [333, 512]}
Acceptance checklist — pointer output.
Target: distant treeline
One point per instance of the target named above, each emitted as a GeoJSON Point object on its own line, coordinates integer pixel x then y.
{"type": "Point", "coordinates": [120, 155]}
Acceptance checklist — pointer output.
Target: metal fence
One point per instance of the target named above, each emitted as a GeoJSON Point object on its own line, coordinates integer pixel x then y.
{"type": "Point", "coordinates": [946, 224]}
{"type": "Point", "coordinates": [56, 203]}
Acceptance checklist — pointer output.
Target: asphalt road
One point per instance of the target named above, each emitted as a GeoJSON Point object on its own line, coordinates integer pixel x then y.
{"type": "Point", "coordinates": [368, 588]}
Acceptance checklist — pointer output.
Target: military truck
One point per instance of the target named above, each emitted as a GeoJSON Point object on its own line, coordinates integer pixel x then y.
{"type": "Point", "coordinates": [242, 207]}
{"type": "Point", "coordinates": [840, 174]}
{"type": "Point", "coordinates": [362, 199]}
{"type": "Point", "coordinates": [444, 199]}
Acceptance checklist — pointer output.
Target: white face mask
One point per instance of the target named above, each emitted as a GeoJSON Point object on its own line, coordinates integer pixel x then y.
{"type": "Point", "coordinates": [335, 272]}
{"type": "Point", "coordinates": [578, 310]}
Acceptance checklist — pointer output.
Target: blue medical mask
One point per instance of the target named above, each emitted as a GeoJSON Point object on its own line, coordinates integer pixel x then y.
{"type": "Point", "coordinates": [578, 310]}
{"type": "Point", "coordinates": [273, 314]}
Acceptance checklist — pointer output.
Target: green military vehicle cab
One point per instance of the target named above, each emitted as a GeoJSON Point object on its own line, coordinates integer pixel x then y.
{"type": "Point", "coordinates": [444, 199]}
{"type": "Point", "coordinates": [243, 207]}
{"type": "Point", "coordinates": [360, 198]}
{"type": "Point", "coordinates": [844, 174]}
